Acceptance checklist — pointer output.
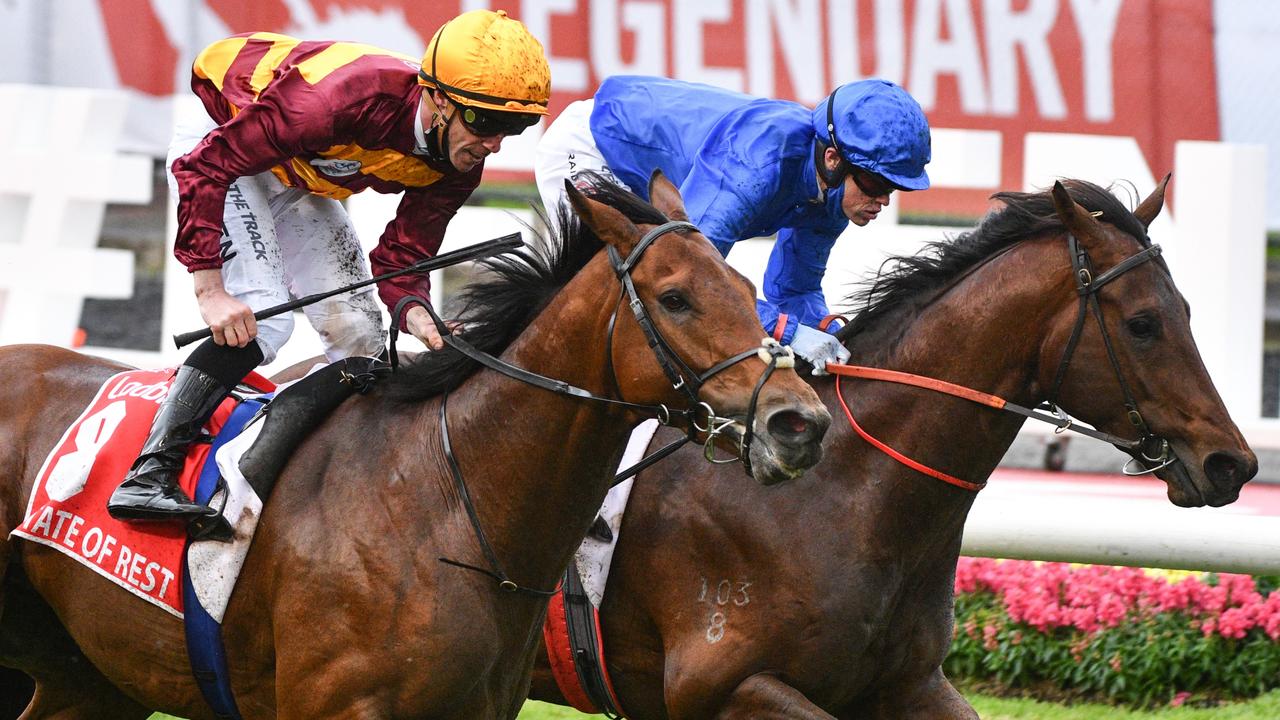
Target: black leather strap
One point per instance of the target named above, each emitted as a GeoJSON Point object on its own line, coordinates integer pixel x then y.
{"type": "Point", "coordinates": [584, 644]}
{"type": "Point", "coordinates": [1087, 288]}
{"type": "Point", "coordinates": [505, 583]}
{"type": "Point", "coordinates": [682, 378]}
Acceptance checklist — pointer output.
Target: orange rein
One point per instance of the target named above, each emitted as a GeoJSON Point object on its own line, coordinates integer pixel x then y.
{"type": "Point", "coordinates": [870, 373]}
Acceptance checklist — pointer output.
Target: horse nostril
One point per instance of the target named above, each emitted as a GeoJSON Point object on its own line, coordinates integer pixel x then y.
{"type": "Point", "coordinates": [789, 422]}
{"type": "Point", "coordinates": [792, 426]}
{"type": "Point", "coordinates": [1225, 467]}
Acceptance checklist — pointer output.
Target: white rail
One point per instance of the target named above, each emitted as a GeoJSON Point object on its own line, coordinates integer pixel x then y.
{"type": "Point", "coordinates": [1087, 531]}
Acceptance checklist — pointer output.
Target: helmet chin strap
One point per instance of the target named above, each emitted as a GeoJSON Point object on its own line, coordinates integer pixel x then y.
{"type": "Point", "coordinates": [831, 178]}
{"type": "Point", "coordinates": [438, 137]}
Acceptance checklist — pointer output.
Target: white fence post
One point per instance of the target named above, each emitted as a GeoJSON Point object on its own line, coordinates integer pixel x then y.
{"type": "Point", "coordinates": [60, 168]}
{"type": "Point", "coordinates": [1219, 203]}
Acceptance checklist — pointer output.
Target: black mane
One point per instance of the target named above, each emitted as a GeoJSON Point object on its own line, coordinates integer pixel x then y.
{"type": "Point", "coordinates": [513, 289]}
{"type": "Point", "coordinates": [906, 283]}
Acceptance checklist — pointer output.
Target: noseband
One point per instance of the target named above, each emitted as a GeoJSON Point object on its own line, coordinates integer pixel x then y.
{"type": "Point", "coordinates": [1151, 448]}
{"type": "Point", "coordinates": [700, 417]}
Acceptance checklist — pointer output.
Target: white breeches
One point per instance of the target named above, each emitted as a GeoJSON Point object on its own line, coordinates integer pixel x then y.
{"type": "Point", "coordinates": [281, 243]}
{"type": "Point", "coordinates": [565, 150]}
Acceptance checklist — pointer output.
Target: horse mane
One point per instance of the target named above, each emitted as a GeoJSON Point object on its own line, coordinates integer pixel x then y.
{"type": "Point", "coordinates": [906, 283]}
{"type": "Point", "coordinates": [512, 289]}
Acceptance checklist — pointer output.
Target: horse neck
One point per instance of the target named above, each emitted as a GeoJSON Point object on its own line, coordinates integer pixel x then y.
{"type": "Point", "coordinates": [537, 463]}
{"type": "Point", "coordinates": [984, 333]}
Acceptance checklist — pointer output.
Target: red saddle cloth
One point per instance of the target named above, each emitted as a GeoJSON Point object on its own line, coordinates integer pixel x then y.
{"type": "Point", "coordinates": [68, 506]}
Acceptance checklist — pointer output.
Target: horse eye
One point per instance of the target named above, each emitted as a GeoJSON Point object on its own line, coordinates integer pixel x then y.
{"type": "Point", "coordinates": [673, 301]}
{"type": "Point", "coordinates": [1143, 327]}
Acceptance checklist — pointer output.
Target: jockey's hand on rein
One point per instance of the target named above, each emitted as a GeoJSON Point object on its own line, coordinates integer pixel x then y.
{"type": "Point", "coordinates": [818, 348]}
{"type": "Point", "coordinates": [419, 323]}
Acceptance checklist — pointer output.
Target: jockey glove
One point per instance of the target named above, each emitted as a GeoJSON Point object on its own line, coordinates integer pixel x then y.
{"type": "Point", "coordinates": [818, 348]}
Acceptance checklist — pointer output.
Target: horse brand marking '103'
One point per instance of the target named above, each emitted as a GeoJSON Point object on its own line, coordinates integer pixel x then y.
{"type": "Point", "coordinates": [722, 595]}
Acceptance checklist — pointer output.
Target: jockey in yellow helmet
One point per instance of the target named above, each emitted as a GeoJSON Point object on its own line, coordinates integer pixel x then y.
{"type": "Point", "coordinates": [289, 127]}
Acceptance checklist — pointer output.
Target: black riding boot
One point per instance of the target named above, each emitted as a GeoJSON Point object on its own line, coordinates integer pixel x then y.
{"type": "Point", "coordinates": [150, 491]}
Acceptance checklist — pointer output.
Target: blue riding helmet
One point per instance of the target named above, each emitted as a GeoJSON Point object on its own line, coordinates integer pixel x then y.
{"type": "Point", "coordinates": [877, 126]}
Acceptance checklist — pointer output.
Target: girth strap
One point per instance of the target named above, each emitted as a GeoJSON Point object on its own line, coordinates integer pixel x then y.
{"type": "Point", "coordinates": [587, 645]}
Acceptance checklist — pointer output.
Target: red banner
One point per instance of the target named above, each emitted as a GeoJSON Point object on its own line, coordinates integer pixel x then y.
{"type": "Point", "coordinates": [1140, 68]}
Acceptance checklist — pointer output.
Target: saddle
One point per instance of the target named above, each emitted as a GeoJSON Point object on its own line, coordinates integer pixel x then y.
{"type": "Point", "coordinates": [297, 410]}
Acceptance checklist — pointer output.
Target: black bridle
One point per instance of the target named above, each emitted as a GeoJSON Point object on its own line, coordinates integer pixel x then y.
{"type": "Point", "coordinates": [699, 417]}
{"type": "Point", "coordinates": [1152, 449]}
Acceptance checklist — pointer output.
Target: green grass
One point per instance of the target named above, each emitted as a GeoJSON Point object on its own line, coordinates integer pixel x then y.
{"type": "Point", "coordinates": [1266, 707]}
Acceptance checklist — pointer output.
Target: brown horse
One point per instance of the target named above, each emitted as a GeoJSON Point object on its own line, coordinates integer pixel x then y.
{"type": "Point", "coordinates": [344, 609]}
{"type": "Point", "coordinates": [832, 597]}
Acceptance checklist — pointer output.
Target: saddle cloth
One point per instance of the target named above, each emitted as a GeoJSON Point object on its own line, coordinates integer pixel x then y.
{"type": "Point", "coordinates": [67, 510]}
{"type": "Point", "coordinates": [595, 555]}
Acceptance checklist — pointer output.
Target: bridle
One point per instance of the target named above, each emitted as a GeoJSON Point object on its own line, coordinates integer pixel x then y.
{"type": "Point", "coordinates": [699, 417]}
{"type": "Point", "coordinates": [683, 378]}
{"type": "Point", "coordinates": [1151, 448]}
{"type": "Point", "coordinates": [1148, 449]}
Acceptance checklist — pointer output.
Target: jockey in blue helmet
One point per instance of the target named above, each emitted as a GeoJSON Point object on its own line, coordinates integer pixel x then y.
{"type": "Point", "coordinates": [876, 127]}
{"type": "Point", "coordinates": [752, 167]}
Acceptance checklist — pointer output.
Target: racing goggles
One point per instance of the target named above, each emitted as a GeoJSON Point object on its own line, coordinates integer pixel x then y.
{"type": "Point", "coordinates": [490, 123]}
{"type": "Point", "coordinates": [871, 184]}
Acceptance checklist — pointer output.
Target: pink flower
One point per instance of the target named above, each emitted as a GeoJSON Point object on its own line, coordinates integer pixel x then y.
{"type": "Point", "coordinates": [989, 637]}
{"type": "Point", "coordinates": [1179, 699]}
{"type": "Point", "coordinates": [1234, 623]}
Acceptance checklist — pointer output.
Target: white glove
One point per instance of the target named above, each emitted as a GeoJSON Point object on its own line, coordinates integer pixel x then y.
{"type": "Point", "coordinates": [818, 348]}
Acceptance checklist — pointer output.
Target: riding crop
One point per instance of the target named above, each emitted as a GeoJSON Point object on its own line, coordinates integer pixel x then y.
{"type": "Point", "coordinates": [472, 252]}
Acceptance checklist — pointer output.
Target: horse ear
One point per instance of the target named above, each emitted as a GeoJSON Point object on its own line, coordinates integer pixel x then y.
{"type": "Point", "coordinates": [1079, 222]}
{"type": "Point", "coordinates": [1149, 208]}
{"type": "Point", "coordinates": [666, 197]}
{"type": "Point", "coordinates": [607, 223]}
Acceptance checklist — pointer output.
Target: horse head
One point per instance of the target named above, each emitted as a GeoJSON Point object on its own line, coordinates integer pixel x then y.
{"type": "Point", "coordinates": [708, 348]}
{"type": "Point", "coordinates": [1157, 389]}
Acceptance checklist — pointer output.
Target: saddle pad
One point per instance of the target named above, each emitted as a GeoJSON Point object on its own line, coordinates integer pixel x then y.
{"type": "Point", "coordinates": [68, 506]}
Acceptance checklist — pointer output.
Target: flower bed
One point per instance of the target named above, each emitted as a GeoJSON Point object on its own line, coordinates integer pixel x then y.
{"type": "Point", "coordinates": [1125, 635]}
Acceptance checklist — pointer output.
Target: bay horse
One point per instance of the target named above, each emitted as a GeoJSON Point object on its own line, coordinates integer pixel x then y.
{"type": "Point", "coordinates": [344, 608]}
{"type": "Point", "coordinates": [832, 597]}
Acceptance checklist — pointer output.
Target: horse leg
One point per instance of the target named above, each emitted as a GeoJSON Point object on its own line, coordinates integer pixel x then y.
{"type": "Point", "coordinates": [765, 697]}
{"type": "Point", "coordinates": [933, 699]}
{"type": "Point", "coordinates": [67, 685]}
{"type": "Point", "coordinates": [83, 695]}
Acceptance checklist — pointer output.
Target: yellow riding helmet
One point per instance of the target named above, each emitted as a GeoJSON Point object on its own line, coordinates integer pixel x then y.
{"type": "Point", "coordinates": [484, 59]}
